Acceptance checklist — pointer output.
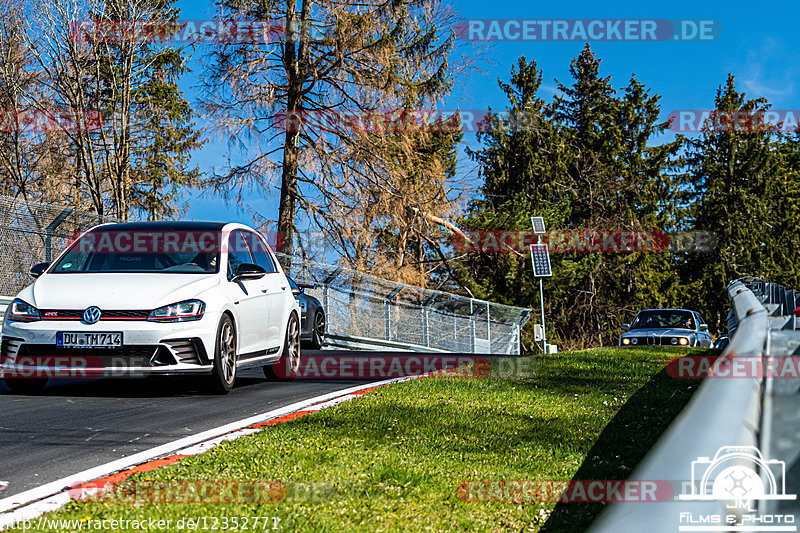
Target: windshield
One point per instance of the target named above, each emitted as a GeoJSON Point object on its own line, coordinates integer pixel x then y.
{"type": "Point", "coordinates": [179, 252]}
{"type": "Point", "coordinates": [663, 319]}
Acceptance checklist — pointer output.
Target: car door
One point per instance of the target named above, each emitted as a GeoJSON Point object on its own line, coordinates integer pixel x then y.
{"type": "Point", "coordinates": [704, 337]}
{"type": "Point", "coordinates": [276, 287]}
{"type": "Point", "coordinates": [248, 297]}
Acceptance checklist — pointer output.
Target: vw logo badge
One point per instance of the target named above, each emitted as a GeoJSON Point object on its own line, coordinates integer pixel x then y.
{"type": "Point", "coordinates": [91, 315]}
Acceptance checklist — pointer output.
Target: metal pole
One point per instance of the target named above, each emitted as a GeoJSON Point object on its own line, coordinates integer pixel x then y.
{"type": "Point", "coordinates": [541, 300]}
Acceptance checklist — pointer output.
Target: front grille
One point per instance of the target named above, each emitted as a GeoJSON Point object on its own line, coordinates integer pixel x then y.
{"type": "Point", "coordinates": [44, 354]}
{"type": "Point", "coordinates": [654, 341]}
{"type": "Point", "coordinates": [77, 314]}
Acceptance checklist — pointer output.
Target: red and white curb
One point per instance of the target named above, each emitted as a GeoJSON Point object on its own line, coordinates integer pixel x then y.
{"type": "Point", "coordinates": [49, 497]}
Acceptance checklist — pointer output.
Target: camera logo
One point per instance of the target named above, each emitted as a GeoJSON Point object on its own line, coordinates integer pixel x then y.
{"type": "Point", "coordinates": [738, 473]}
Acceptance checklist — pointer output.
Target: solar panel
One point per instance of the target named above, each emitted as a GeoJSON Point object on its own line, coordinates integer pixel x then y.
{"type": "Point", "coordinates": [538, 224]}
{"type": "Point", "coordinates": [540, 256]}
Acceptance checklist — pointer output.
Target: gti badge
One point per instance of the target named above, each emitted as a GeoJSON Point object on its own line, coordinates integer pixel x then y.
{"type": "Point", "coordinates": [91, 315]}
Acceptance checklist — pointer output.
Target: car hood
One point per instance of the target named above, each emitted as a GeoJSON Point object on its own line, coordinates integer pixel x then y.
{"type": "Point", "coordinates": [659, 332]}
{"type": "Point", "coordinates": [114, 290]}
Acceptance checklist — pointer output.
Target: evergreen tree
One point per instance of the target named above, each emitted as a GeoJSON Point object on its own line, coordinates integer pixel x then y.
{"type": "Point", "coordinates": [587, 165]}
{"type": "Point", "coordinates": [734, 176]}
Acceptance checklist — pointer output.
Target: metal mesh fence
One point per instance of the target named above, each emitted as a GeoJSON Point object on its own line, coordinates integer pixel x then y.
{"type": "Point", "coordinates": [32, 233]}
{"type": "Point", "coordinates": [357, 305]}
{"type": "Point", "coordinates": [360, 305]}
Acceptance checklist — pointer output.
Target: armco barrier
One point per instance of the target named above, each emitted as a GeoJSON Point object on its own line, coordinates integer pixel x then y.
{"type": "Point", "coordinates": [723, 412]}
{"type": "Point", "coordinates": [5, 301]}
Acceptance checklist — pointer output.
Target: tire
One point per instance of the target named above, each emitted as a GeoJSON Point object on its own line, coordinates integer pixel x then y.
{"type": "Point", "coordinates": [317, 330]}
{"type": "Point", "coordinates": [25, 385]}
{"type": "Point", "coordinates": [286, 368]}
{"type": "Point", "coordinates": [224, 373]}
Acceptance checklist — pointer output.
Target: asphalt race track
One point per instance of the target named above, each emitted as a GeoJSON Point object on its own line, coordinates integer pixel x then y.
{"type": "Point", "coordinates": [74, 425]}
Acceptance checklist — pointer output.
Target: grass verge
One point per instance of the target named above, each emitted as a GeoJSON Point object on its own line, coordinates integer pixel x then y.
{"type": "Point", "coordinates": [393, 458]}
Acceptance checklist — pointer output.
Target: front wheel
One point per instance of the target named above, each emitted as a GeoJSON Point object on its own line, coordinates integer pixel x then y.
{"type": "Point", "coordinates": [224, 373]}
{"type": "Point", "coordinates": [287, 367]}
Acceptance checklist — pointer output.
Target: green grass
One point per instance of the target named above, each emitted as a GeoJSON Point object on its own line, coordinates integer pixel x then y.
{"type": "Point", "coordinates": [393, 458]}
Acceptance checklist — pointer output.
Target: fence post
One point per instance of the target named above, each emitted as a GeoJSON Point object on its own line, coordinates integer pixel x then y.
{"type": "Point", "coordinates": [48, 233]}
{"type": "Point", "coordinates": [471, 327]}
{"type": "Point", "coordinates": [426, 319]}
{"type": "Point", "coordinates": [387, 314]}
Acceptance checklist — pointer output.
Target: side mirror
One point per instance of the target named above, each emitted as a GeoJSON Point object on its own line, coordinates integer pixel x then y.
{"type": "Point", "coordinates": [626, 327]}
{"type": "Point", "coordinates": [296, 291]}
{"type": "Point", "coordinates": [37, 269]}
{"type": "Point", "coordinates": [703, 327]}
{"type": "Point", "coordinates": [247, 271]}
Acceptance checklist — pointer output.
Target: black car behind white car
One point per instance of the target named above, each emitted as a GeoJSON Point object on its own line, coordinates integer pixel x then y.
{"type": "Point", "coordinates": [312, 330]}
{"type": "Point", "coordinates": [667, 327]}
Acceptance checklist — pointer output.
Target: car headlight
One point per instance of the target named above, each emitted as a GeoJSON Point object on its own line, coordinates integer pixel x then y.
{"type": "Point", "coordinates": [22, 311]}
{"type": "Point", "coordinates": [683, 341]}
{"type": "Point", "coordinates": [674, 340]}
{"type": "Point", "coordinates": [626, 341]}
{"type": "Point", "coordinates": [179, 312]}
{"type": "Point", "coordinates": [635, 341]}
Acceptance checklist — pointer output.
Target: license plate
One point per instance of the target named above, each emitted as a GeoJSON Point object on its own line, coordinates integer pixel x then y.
{"type": "Point", "coordinates": [70, 339]}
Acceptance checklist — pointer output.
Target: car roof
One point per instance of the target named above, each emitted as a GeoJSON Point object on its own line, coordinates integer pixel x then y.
{"type": "Point", "coordinates": [184, 225]}
{"type": "Point", "coordinates": [687, 310]}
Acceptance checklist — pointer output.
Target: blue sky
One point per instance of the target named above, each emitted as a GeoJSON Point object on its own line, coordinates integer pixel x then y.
{"type": "Point", "coordinates": [758, 44]}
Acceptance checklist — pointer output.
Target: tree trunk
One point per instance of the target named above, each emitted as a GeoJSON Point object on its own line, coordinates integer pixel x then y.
{"type": "Point", "coordinates": [293, 64]}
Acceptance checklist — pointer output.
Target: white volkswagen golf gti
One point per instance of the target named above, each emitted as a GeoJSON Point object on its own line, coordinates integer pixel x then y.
{"type": "Point", "coordinates": [146, 298]}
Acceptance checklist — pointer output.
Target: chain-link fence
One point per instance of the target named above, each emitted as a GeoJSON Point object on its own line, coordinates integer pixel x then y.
{"type": "Point", "coordinates": [363, 306]}
{"type": "Point", "coordinates": [358, 306]}
{"type": "Point", "coordinates": [32, 233]}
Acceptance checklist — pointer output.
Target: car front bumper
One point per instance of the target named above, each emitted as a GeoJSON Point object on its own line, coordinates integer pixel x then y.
{"type": "Point", "coordinates": [29, 349]}
{"type": "Point", "coordinates": [655, 340]}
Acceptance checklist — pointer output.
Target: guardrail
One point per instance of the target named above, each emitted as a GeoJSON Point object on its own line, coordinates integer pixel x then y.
{"type": "Point", "coordinates": [351, 342]}
{"type": "Point", "coordinates": [5, 301]}
{"type": "Point", "coordinates": [722, 413]}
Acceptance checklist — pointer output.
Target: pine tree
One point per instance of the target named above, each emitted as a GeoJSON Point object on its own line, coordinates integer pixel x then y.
{"type": "Point", "coordinates": [586, 165]}
{"type": "Point", "coordinates": [733, 172]}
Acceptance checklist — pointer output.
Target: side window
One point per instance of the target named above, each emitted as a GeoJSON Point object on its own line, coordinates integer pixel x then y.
{"type": "Point", "coordinates": [260, 252]}
{"type": "Point", "coordinates": [238, 252]}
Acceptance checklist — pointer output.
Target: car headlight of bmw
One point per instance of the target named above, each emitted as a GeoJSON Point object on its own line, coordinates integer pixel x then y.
{"type": "Point", "coordinates": [683, 341]}
{"type": "Point", "coordinates": [22, 311]}
{"type": "Point", "coordinates": [626, 342]}
{"type": "Point", "coordinates": [179, 312]}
